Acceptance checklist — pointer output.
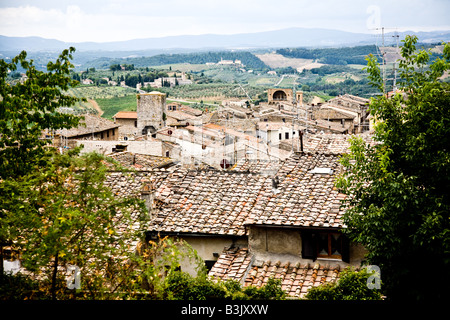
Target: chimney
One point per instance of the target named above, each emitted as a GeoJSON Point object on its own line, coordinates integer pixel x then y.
{"type": "Point", "coordinates": [275, 183]}
{"type": "Point", "coordinates": [147, 194]}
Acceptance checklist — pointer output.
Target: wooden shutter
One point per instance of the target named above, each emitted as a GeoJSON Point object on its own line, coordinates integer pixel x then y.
{"type": "Point", "coordinates": [309, 247]}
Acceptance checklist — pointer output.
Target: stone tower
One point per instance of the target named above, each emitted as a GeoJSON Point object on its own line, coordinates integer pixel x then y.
{"type": "Point", "coordinates": [150, 110]}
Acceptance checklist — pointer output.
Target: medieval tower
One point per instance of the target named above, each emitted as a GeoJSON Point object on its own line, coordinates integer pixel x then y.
{"type": "Point", "coordinates": [150, 111]}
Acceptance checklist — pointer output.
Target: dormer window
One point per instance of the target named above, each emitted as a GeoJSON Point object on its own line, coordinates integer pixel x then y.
{"type": "Point", "coordinates": [325, 245]}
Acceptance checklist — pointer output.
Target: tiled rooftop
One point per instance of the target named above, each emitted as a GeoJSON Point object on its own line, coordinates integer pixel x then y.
{"type": "Point", "coordinates": [223, 202]}
{"type": "Point", "coordinates": [296, 278]}
{"type": "Point", "coordinates": [331, 143]}
{"type": "Point", "coordinates": [140, 161]}
{"type": "Point", "coordinates": [125, 115]}
{"type": "Point", "coordinates": [303, 198]}
{"type": "Point", "coordinates": [208, 201]}
{"type": "Point", "coordinates": [88, 125]}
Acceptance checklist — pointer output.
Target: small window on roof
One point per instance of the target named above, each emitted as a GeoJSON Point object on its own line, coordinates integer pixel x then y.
{"type": "Point", "coordinates": [319, 170]}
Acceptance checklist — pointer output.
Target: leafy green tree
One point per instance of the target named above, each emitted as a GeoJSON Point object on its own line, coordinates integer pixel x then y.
{"type": "Point", "coordinates": [27, 108]}
{"type": "Point", "coordinates": [352, 285]}
{"type": "Point", "coordinates": [64, 214]}
{"type": "Point", "coordinates": [182, 286]}
{"type": "Point", "coordinates": [398, 204]}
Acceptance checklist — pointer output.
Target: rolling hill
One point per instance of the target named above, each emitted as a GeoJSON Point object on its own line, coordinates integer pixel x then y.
{"type": "Point", "coordinates": [292, 37]}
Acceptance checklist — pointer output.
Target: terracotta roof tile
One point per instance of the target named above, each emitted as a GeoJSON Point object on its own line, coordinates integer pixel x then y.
{"type": "Point", "coordinates": [296, 277]}
{"type": "Point", "coordinates": [224, 202]}
{"type": "Point", "coordinates": [125, 115]}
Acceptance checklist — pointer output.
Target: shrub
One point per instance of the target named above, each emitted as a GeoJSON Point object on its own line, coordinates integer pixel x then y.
{"type": "Point", "coordinates": [352, 285]}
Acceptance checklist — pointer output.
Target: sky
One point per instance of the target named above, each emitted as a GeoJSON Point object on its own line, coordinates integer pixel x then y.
{"type": "Point", "coordinates": [116, 20]}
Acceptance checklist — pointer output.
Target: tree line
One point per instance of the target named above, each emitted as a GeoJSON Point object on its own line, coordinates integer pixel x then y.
{"type": "Point", "coordinates": [247, 58]}
{"type": "Point", "coordinates": [339, 56]}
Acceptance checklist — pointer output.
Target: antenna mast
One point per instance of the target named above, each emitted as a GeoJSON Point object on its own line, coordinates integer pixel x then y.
{"type": "Point", "coordinates": [383, 54]}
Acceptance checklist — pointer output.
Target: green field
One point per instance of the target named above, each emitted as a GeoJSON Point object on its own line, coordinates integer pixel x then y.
{"type": "Point", "coordinates": [101, 92]}
{"type": "Point", "coordinates": [110, 106]}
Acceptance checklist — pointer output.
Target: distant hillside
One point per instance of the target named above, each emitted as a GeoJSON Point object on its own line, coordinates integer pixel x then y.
{"type": "Point", "coordinates": [247, 59]}
{"type": "Point", "coordinates": [339, 56]}
{"type": "Point", "coordinates": [293, 37]}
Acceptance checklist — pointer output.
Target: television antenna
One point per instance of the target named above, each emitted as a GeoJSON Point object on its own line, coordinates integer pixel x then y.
{"type": "Point", "coordinates": [382, 52]}
{"type": "Point", "coordinates": [243, 89]}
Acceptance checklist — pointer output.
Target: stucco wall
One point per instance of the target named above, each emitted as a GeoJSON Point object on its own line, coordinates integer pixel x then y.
{"type": "Point", "coordinates": [207, 246]}
{"type": "Point", "coordinates": [285, 244]}
{"type": "Point", "coordinates": [148, 147]}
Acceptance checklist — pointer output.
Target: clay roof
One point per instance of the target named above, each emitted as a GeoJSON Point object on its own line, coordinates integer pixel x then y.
{"type": "Point", "coordinates": [129, 184]}
{"type": "Point", "coordinates": [90, 124]}
{"type": "Point", "coordinates": [140, 161]}
{"type": "Point", "coordinates": [332, 143]}
{"type": "Point", "coordinates": [296, 277]}
{"type": "Point", "coordinates": [208, 201]}
{"type": "Point", "coordinates": [192, 111]}
{"type": "Point", "coordinates": [303, 198]}
{"type": "Point", "coordinates": [180, 115]}
{"type": "Point", "coordinates": [223, 202]}
{"type": "Point", "coordinates": [125, 115]}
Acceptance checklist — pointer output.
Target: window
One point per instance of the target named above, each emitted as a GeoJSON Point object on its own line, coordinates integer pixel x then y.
{"type": "Point", "coordinates": [209, 264]}
{"type": "Point", "coordinates": [325, 245]}
{"type": "Point", "coordinates": [329, 245]}
{"type": "Point", "coordinates": [286, 135]}
{"type": "Point", "coordinates": [279, 136]}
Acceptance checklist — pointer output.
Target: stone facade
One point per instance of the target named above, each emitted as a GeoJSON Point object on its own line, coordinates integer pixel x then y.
{"type": "Point", "coordinates": [150, 111]}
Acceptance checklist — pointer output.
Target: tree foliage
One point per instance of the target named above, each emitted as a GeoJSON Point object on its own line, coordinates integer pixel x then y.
{"type": "Point", "coordinates": [352, 285]}
{"type": "Point", "coordinates": [63, 214]}
{"type": "Point", "coordinates": [398, 204]}
{"type": "Point", "coordinates": [182, 286]}
{"type": "Point", "coordinates": [30, 106]}
{"type": "Point", "coordinates": [247, 58]}
{"type": "Point", "coordinates": [59, 214]}
{"type": "Point", "coordinates": [27, 107]}
{"type": "Point", "coordinates": [338, 56]}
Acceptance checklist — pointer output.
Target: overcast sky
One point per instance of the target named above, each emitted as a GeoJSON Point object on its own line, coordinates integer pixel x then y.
{"type": "Point", "coordinates": [111, 20]}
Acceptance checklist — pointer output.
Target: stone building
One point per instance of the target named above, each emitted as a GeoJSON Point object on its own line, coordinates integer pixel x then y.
{"type": "Point", "coordinates": [150, 112]}
{"type": "Point", "coordinates": [354, 109]}
{"type": "Point", "coordinates": [260, 219]}
{"type": "Point", "coordinates": [91, 127]}
{"type": "Point", "coordinates": [128, 124]}
{"type": "Point", "coordinates": [279, 95]}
